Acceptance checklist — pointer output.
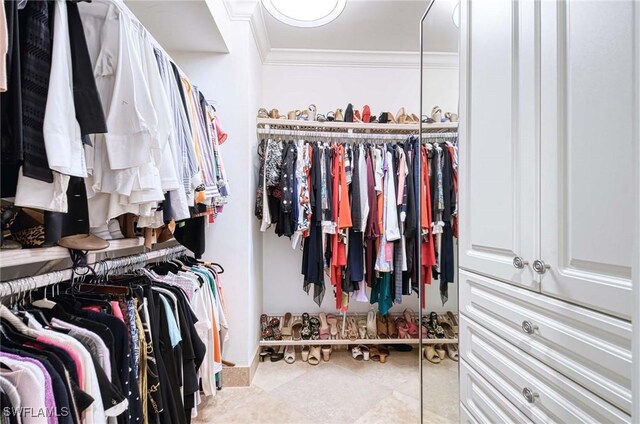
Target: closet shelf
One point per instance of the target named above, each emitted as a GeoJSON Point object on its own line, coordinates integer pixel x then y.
{"type": "Point", "coordinates": [357, 126]}
{"type": "Point", "coordinates": [353, 342]}
{"type": "Point", "coordinates": [17, 257]}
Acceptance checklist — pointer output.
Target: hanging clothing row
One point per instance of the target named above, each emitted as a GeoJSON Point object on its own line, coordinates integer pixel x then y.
{"type": "Point", "coordinates": [128, 348]}
{"type": "Point", "coordinates": [353, 209]}
{"type": "Point", "coordinates": [98, 122]}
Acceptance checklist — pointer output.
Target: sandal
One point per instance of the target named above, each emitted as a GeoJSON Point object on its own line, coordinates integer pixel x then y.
{"type": "Point", "coordinates": [392, 330]}
{"type": "Point", "coordinates": [403, 328]}
{"type": "Point", "coordinates": [289, 354]}
{"type": "Point", "coordinates": [315, 328]}
{"type": "Point", "coordinates": [430, 351]}
{"type": "Point", "coordinates": [324, 332]}
{"type": "Point", "coordinates": [278, 355]}
{"type": "Point", "coordinates": [374, 355]}
{"type": "Point", "coordinates": [362, 329]}
{"type": "Point", "coordinates": [304, 353]}
{"type": "Point", "coordinates": [332, 320]}
{"type": "Point", "coordinates": [287, 326]}
{"type": "Point", "coordinates": [436, 114]}
{"type": "Point", "coordinates": [352, 329]}
{"type": "Point", "coordinates": [366, 114]}
{"type": "Point", "coordinates": [314, 355]}
{"type": "Point", "coordinates": [306, 327]}
{"type": "Point", "coordinates": [371, 324]}
{"type": "Point", "coordinates": [365, 352]}
{"type": "Point", "coordinates": [383, 352]}
{"type": "Point", "coordinates": [356, 353]}
{"type": "Point", "coordinates": [454, 321]}
{"type": "Point", "coordinates": [275, 328]}
{"type": "Point", "coordinates": [266, 351]}
{"type": "Point", "coordinates": [267, 330]}
{"type": "Point", "coordinates": [413, 327]}
{"type": "Point", "coordinates": [326, 353]}
{"type": "Point", "coordinates": [382, 326]}
{"type": "Point", "coordinates": [296, 330]}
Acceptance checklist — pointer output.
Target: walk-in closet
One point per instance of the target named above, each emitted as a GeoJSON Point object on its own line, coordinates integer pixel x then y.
{"type": "Point", "coordinates": [319, 211]}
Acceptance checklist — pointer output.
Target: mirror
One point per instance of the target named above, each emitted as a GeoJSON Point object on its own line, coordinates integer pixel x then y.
{"type": "Point", "coordinates": [439, 93]}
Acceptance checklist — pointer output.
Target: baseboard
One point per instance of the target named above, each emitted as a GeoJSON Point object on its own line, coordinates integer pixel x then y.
{"type": "Point", "coordinates": [240, 376]}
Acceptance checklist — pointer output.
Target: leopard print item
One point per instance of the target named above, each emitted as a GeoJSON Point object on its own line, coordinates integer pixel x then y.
{"type": "Point", "coordinates": [273, 165]}
{"type": "Point", "coordinates": [30, 237]}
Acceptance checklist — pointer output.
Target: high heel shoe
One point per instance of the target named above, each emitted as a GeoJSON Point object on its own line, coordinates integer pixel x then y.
{"type": "Point", "coordinates": [304, 353]}
{"type": "Point", "coordinates": [339, 117]}
{"type": "Point", "coordinates": [326, 353]}
{"type": "Point", "coordinates": [314, 355]}
{"type": "Point", "coordinates": [289, 354]}
{"type": "Point", "coordinates": [436, 114]}
{"type": "Point", "coordinates": [348, 113]}
{"type": "Point", "coordinates": [366, 114]}
{"type": "Point", "coordinates": [371, 325]}
{"type": "Point", "coordinates": [401, 116]}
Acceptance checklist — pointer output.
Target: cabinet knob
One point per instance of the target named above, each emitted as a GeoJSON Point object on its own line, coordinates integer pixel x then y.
{"type": "Point", "coordinates": [540, 267]}
{"type": "Point", "coordinates": [529, 327]}
{"type": "Point", "coordinates": [530, 395]}
{"type": "Point", "coordinates": [519, 263]}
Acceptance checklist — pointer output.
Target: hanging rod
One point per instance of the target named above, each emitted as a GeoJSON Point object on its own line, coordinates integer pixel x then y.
{"type": "Point", "coordinates": [121, 264]}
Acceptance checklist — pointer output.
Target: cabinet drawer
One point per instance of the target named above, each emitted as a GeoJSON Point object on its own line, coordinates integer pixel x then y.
{"type": "Point", "coordinates": [552, 397]}
{"type": "Point", "coordinates": [481, 403]}
{"type": "Point", "coordinates": [590, 348]}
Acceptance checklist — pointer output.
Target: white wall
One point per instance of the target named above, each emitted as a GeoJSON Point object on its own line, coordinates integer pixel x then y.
{"type": "Point", "coordinates": [288, 87]}
{"type": "Point", "coordinates": [233, 82]}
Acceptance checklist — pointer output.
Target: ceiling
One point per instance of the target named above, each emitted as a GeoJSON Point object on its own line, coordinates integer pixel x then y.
{"type": "Point", "coordinates": [373, 25]}
{"type": "Point", "coordinates": [168, 20]}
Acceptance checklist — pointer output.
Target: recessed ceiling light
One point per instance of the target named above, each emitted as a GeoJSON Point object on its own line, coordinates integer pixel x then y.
{"type": "Point", "coordinates": [305, 13]}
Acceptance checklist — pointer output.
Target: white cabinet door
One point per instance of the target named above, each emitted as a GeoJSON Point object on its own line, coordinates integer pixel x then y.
{"type": "Point", "coordinates": [588, 118]}
{"type": "Point", "coordinates": [499, 140]}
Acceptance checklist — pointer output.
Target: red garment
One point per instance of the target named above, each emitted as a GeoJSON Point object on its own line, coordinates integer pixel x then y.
{"type": "Point", "coordinates": [342, 218]}
{"type": "Point", "coordinates": [428, 245]}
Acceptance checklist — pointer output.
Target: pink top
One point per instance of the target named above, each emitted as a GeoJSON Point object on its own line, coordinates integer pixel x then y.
{"type": "Point", "coordinates": [116, 311]}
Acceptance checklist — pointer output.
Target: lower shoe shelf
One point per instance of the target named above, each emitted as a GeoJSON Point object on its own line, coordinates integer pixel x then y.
{"type": "Point", "coordinates": [335, 342]}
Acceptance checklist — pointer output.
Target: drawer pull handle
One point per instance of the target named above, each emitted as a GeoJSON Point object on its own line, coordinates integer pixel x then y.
{"type": "Point", "coordinates": [530, 395]}
{"type": "Point", "coordinates": [540, 267]}
{"type": "Point", "coordinates": [529, 327]}
{"type": "Point", "coordinates": [519, 263]}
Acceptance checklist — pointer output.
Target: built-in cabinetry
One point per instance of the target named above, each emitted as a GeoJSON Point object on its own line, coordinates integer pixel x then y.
{"type": "Point", "coordinates": [548, 132]}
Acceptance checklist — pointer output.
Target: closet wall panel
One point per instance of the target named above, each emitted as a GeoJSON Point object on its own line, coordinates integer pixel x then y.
{"type": "Point", "coordinates": [498, 164]}
{"type": "Point", "coordinates": [588, 135]}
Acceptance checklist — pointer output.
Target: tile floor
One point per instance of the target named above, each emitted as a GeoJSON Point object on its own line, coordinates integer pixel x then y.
{"type": "Point", "coordinates": [340, 391]}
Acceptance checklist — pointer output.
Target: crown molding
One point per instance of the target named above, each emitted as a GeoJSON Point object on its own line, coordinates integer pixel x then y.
{"type": "Point", "coordinates": [240, 10]}
{"type": "Point", "coordinates": [360, 59]}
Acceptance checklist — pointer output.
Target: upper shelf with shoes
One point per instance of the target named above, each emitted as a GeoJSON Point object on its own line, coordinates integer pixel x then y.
{"type": "Point", "coordinates": [301, 124]}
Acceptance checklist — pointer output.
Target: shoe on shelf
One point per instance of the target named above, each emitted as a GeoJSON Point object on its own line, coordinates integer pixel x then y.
{"type": "Point", "coordinates": [326, 353]}
{"type": "Point", "coordinates": [312, 112]}
{"type": "Point", "coordinates": [371, 324]}
{"type": "Point", "coordinates": [339, 116]}
{"type": "Point", "coordinates": [332, 320]}
{"type": "Point", "coordinates": [278, 355]}
{"type": "Point", "coordinates": [430, 354]}
{"type": "Point", "coordinates": [356, 353]}
{"type": "Point", "coordinates": [331, 116]}
{"type": "Point", "coordinates": [289, 354]}
{"type": "Point", "coordinates": [366, 114]}
{"type": "Point", "coordinates": [452, 351]}
{"type": "Point", "coordinates": [383, 351]}
{"type": "Point", "coordinates": [324, 327]}
{"type": "Point", "coordinates": [436, 114]}
{"type": "Point", "coordinates": [263, 113]}
{"type": "Point", "coordinates": [382, 327]}
{"type": "Point", "coordinates": [362, 329]}
{"type": "Point", "coordinates": [287, 325]}
{"type": "Point", "coordinates": [314, 355]}
{"type": "Point", "coordinates": [401, 116]}
{"type": "Point", "coordinates": [274, 114]}
{"type": "Point", "coordinates": [452, 117]}
{"type": "Point", "coordinates": [402, 327]}
{"type": "Point", "coordinates": [412, 326]}
{"type": "Point", "coordinates": [348, 113]}
{"type": "Point", "coordinates": [303, 116]}
{"type": "Point", "coordinates": [293, 115]}
{"type": "Point", "coordinates": [321, 118]}
{"type": "Point", "coordinates": [392, 330]}
{"type": "Point", "coordinates": [356, 116]}
{"type": "Point", "coordinates": [414, 118]}
{"type": "Point", "coordinates": [440, 351]}
{"type": "Point", "coordinates": [304, 353]}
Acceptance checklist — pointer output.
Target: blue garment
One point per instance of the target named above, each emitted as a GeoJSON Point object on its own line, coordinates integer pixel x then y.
{"type": "Point", "coordinates": [174, 331]}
